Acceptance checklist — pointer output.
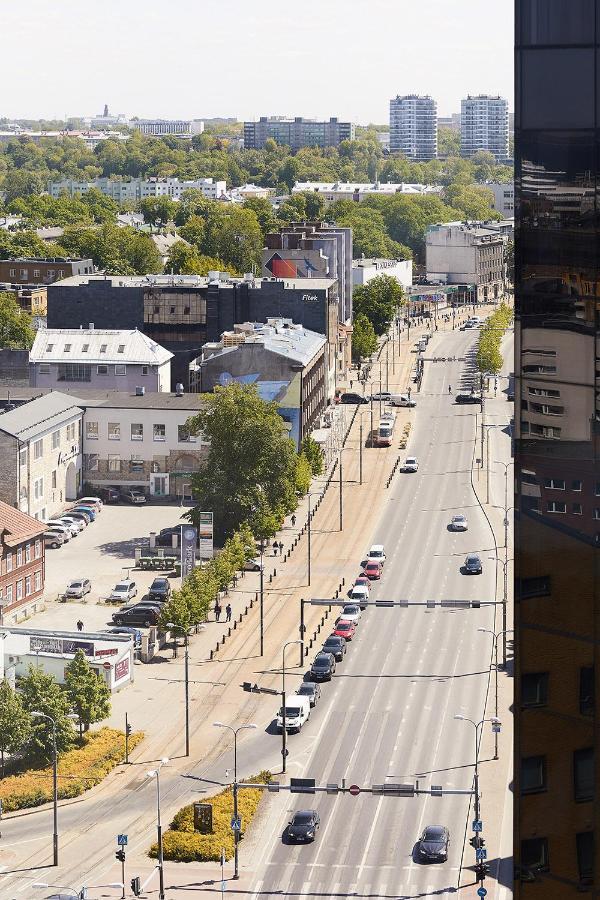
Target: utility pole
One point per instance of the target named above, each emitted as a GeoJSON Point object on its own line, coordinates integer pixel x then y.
{"type": "Point", "coordinates": [262, 592]}
{"type": "Point", "coordinates": [482, 418]}
{"type": "Point", "coordinates": [341, 492]}
{"type": "Point", "coordinates": [387, 367]}
{"type": "Point", "coordinates": [360, 452]}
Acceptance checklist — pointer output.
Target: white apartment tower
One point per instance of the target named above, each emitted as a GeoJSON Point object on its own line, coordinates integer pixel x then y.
{"type": "Point", "coordinates": [484, 126]}
{"type": "Point", "coordinates": [413, 127]}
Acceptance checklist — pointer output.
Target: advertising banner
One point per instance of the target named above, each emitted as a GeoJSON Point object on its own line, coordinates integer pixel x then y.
{"type": "Point", "coordinates": [188, 549]}
{"type": "Point", "coordinates": [206, 535]}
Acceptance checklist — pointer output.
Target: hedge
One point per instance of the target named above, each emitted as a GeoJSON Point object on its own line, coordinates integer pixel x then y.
{"type": "Point", "coordinates": [182, 844]}
{"type": "Point", "coordinates": [78, 770]}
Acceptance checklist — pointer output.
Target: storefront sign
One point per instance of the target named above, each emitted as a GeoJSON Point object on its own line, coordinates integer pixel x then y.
{"type": "Point", "coordinates": [122, 668]}
{"type": "Point", "coordinates": [39, 644]}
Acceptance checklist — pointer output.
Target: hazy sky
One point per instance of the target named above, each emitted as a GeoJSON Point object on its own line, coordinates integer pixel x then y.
{"type": "Point", "coordinates": [245, 58]}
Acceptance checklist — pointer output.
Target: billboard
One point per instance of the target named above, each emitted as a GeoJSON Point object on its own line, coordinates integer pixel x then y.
{"type": "Point", "coordinates": [206, 535]}
{"type": "Point", "coordinates": [188, 549]}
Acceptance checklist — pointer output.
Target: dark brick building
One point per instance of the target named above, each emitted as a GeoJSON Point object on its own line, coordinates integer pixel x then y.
{"type": "Point", "coordinates": [34, 270]}
{"type": "Point", "coordinates": [22, 563]}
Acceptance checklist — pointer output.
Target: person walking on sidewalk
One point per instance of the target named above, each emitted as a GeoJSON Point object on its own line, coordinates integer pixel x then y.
{"type": "Point", "coordinates": [293, 521]}
{"type": "Point", "coordinates": [228, 612]}
{"type": "Point", "coordinates": [217, 611]}
{"type": "Point", "coordinates": [281, 548]}
{"type": "Point", "coordinates": [79, 625]}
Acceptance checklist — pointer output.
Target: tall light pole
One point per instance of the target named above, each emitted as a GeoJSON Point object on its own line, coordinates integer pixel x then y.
{"type": "Point", "coordinates": [42, 715]}
{"type": "Point", "coordinates": [495, 636]}
{"type": "Point", "coordinates": [174, 627]}
{"type": "Point", "coordinates": [341, 451]}
{"type": "Point", "coordinates": [308, 529]}
{"type": "Point", "coordinates": [284, 751]}
{"type": "Point", "coordinates": [236, 832]}
{"type": "Point", "coordinates": [360, 449]}
{"type": "Point", "coordinates": [155, 773]}
{"type": "Point", "coordinates": [262, 596]}
{"type": "Point", "coordinates": [504, 563]}
{"type": "Point", "coordinates": [477, 725]}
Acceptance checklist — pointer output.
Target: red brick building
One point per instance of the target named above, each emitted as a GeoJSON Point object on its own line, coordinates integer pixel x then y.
{"type": "Point", "coordinates": [22, 563]}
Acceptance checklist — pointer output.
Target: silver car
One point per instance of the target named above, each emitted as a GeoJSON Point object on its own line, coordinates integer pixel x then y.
{"type": "Point", "coordinates": [78, 588]}
{"type": "Point", "coordinates": [459, 523]}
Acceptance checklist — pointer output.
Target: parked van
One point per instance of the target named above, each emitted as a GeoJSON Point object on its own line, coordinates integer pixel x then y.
{"type": "Point", "coordinates": [297, 712]}
{"type": "Point", "coordinates": [360, 594]}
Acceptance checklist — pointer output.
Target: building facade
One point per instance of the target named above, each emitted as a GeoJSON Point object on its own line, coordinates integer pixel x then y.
{"type": "Point", "coordinates": [137, 189]}
{"type": "Point", "coordinates": [160, 127]}
{"type": "Point", "coordinates": [42, 271]}
{"type": "Point", "coordinates": [22, 564]}
{"type": "Point", "coordinates": [330, 191]}
{"type": "Point", "coordinates": [557, 450]}
{"type": "Point", "coordinates": [296, 133]}
{"type": "Point", "coordinates": [364, 270]}
{"type": "Point", "coordinates": [467, 253]}
{"type": "Point", "coordinates": [32, 298]}
{"type": "Point", "coordinates": [504, 197]}
{"type": "Point", "coordinates": [40, 455]}
{"type": "Point", "coordinates": [90, 357]}
{"type": "Point", "coordinates": [414, 127]}
{"type": "Point", "coordinates": [484, 126]}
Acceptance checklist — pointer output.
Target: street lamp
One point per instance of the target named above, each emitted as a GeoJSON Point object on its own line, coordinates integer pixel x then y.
{"type": "Point", "coordinates": [341, 451]}
{"type": "Point", "coordinates": [284, 751]}
{"type": "Point", "coordinates": [308, 524]}
{"type": "Point", "coordinates": [477, 725]}
{"type": "Point", "coordinates": [173, 627]}
{"type": "Point", "coordinates": [504, 563]}
{"type": "Point", "coordinates": [236, 831]}
{"type": "Point", "coordinates": [42, 715]}
{"type": "Point", "coordinates": [495, 636]}
{"type": "Point", "coordinates": [155, 773]}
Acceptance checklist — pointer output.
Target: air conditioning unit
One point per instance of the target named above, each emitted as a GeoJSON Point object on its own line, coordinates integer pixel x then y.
{"type": "Point", "coordinates": [140, 391]}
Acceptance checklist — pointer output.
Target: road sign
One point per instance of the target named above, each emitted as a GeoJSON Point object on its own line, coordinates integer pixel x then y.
{"type": "Point", "coordinates": [236, 824]}
{"type": "Point", "coordinates": [222, 856]}
{"type": "Point", "coordinates": [106, 666]}
{"type": "Point", "coordinates": [477, 825]}
{"type": "Point", "coordinates": [203, 819]}
{"type": "Point", "coordinates": [122, 840]}
{"type": "Point", "coordinates": [496, 727]}
{"type": "Point", "coordinates": [285, 752]}
{"type": "Point", "coordinates": [481, 853]}
{"type": "Point", "coordinates": [354, 790]}
{"type": "Point", "coordinates": [481, 892]}
{"type": "Point", "coordinates": [302, 785]}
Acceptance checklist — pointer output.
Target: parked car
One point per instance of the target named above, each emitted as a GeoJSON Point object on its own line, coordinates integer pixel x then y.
{"type": "Point", "coordinates": [303, 826]}
{"type": "Point", "coordinates": [467, 398]}
{"type": "Point", "coordinates": [377, 554]}
{"type": "Point", "coordinates": [164, 538]}
{"type": "Point", "coordinates": [64, 532]}
{"type": "Point", "coordinates": [433, 844]}
{"type": "Point", "coordinates": [344, 629]}
{"type": "Point", "coordinates": [71, 521]}
{"type": "Point", "coordinates": [459, 523]}
{"type": "Point", "coordinates": [322, 667]}
{"type": "Point", "coordinates": [123, 591]}
{"type": "Point", "coordinates": [335, 645]}
{"type": "Point", "coordinates": [160, 590]}
{"type": "Point", "coordinates": [72, 530]}
{"type": "Point", "coordinates": [360, 594]}
{"type": "Point", "coordinates": [297, 712]}
{"type": "Point", "coordinates": [88, 510]}
{"type": "Point", "coordinates": [372, 570]}
{"type": "Point", "coordinates": [145, 614]}
{"type": "Point", "coordinates": [253, 565]}
{"type": "Point", "coordinates": [78, 588]}
{"type": "Point", "coordinates": [135, 633]}
{"type": "Point", "coordinates": [109, 495]}
{"type": "Point", "coordinates": [363, 581]}
{"type": "Point", "coordinates": [381, 395]}
{"type": "Point", "coordinates": [353, 398]}
{"type": "Point", "coordinates": [403, 400]}
{"type": "Point", "coordinates": [411, 464]}
{"type": "Point", "coordinates": [310, 689]}
{"type": "Point", "coordinates": [80, 514]}
{"type": "Point", "coordinates": [53, 539]}
{"type": "Point", "coordinates": [473, 564]}
{"type": "Point", "coordinates": [95, 502]}
{"type": "Point", "coordinates": [350, 613]}
{"type": "Point", "coordinates": [133, 496]}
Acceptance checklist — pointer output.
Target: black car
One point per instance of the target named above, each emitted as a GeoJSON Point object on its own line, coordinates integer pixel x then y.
{"type": "Point", "coordinates": [353, 398]}
{"type": "Point", "coordinates": [303, 825]}
{"type": "Point", "coordinates": [160, 590]}
{"type": "Point", "coordinates": [335, 645]}
{"type": "Point", "coordinates": [467, 398]}
{"type": "Point", "coordinates": [109, 495]}
{"type": "Point", "coordinates": [164, 538]}
{"type": "Point", "coordinates": [433, 844]}
{"type": "Point", "coordinates": [473, 564]}
{"type": "Point", "coordinates": [145, 614]}
{"type": "Point", "coordinates": [323, 667]}
{"type": "Point", "coordinates": [310, 689]}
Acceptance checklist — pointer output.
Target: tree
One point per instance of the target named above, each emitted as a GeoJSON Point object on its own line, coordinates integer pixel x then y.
{"type": "Point", "coordinates": [364, 339]}
{"type": "Point", "coordinates": [15, 323]}
{"type": "Point", "coordinates": [303, 474]}
{"type": "Point", "coordinates": [158, 211]}
{"type": "Point", "coordinates": [448, 142]}
{"type": "Point", "coordinates": [379, 301]}
{"type": "Point", "coordinates": [15, 722]}
{"type": "Point", "coordinates": [176, 610]}
{"type": "Point", "coordinates": [263, 210]}
{"type": "Point", "coordinates": [185, 260]}
{"type": "Point", "coordinates": [88, 693]}
{"type": "Point", "coordinates": [42, 693]}
{"type": "Point", "coordinates": [251, 464]}
{"type": "Point", "coordinates": [313, 453]}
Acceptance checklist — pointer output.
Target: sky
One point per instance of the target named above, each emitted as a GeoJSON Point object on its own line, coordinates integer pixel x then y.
{"type": "Point", "coordinates": [246, 58]}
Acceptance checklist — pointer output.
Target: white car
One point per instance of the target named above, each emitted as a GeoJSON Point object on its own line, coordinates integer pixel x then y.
{"type": "Point", "coordinates": [350, 613]}
{"type": "Point", "coordinates": [60, 523]}
{"type": "Point", "coordinates": [403, 400]}
{"type": "Point", "coordinates": [459, 523]}
{"type": "Point", "coordinates": [95, 502]}
{"type": "Point", "coordinates": [411, 464]}
{"type": "Point", "coordinates": [79, 524]}
{"type": "Point", "coordinates": [360, 595]}
{"type": "Point", "coordinates": [61, 528]}
{"type": "Point", "coordinates": [377, 554]}
{"type": "Point", "coordinates": [123, 591]}
{"type": "Point", "coordinates": [253, 565]}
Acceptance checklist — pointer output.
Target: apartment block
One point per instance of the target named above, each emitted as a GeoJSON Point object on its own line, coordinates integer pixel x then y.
{"type": "Point", "coordinates": [414, 126]}
{"type": "Point", "coordinates": [296, 133]}
{"type": "Point", "coordinates": [22, 564]}
{"type": "Point", "coordinates": [484, 126]}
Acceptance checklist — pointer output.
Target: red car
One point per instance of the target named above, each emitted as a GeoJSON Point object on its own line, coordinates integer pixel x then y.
{"type": "Point", "coordinates": [372, 570]}
{"type": "Point", "coordinates": [345, 629]}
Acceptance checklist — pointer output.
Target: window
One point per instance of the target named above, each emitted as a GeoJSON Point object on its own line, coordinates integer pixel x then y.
{"type": "Point", "coordinates": [74, 372]}
{"type": "Point", "coordinates": [533, 774]}
{"type": "Point", "coordinates": [91, 431]}
{"type": "Point", "coordinates": [137, 431]}
{"type": "Point", "coordinates": [534, 854]}
{"type": "Point", "coordinates": [85, 348]}
{"type": "Point", "coordinates": [67, 348]}
{"type": "Point", "coordinates": [121, 348]}
{"type": "Point", "coordinates": [9, 562]}
{"type": "Point", "coordinates": [534, 689]}
{"type": "Point", "coordinates": [90, 461]}
{"type": "Point", "coordinates": [23, 274]}
{"type": "Point", "coordinates": [13, 272]}
{"type": "Point", "coordinates": [19, 557]}
{"type": "Point", "coordinates": [577, 485]}
{"type": "Point", "coordinates": [114, 463]}
{"type": "Point", "coordinates": [9, 593]}
{"type": "Point", "coordinates": [557, 506]}
{"type": "Point", "coordinates": [583, 774]}
{"type": "Point", "coordinates": [38, 449]}
{"type": "Point", "coordinates": [27, 585]}
{"type": "Point", "coordinates": [120, 370]}
{"type": "Point", "coordinates": [55, 439]}
{"type": "Point", "coordinates": [570, 104]}
{"type": "Point", "coordinates": [172, 310]}
{"type": "Point", "coordinates": [103, 348]}
{"type": "Point", "coordinates": [557, 484]}
{"type": "Point", "coordinates": [184, 435]}
{"type": "Point", "coordinates": [538, 368]}
{"type": "Point", "coordinates": [43, 368]}
{"type": "Point", "coordinates": [23, 456]}
{"type": "Point", "coordinates": [535, 586]}
{"type": "Point", "coordinates": [587, 691]}
{"type": "Point", "coordinates": [577, 509]}
{"type": "Point", "coordinates": [114, 431]}
{"type": "Point", "coordinates": [38, 581]}
{"type": "Point", "coordinates": [27, 553]}
{"type": "Point", "coordinates": [186, 310]}
{"type": "Point", "coordinates": [102, 370]}
{"type": "Point", "coordinates": [584, 841]}
{"type": "Point", "coordinates": [53, 484]}
{"type": "Point", "coordinates": [145, 370]}
{"type": "Point", "coordinates": [556, 21]}
{"type": "Point", "coordinates": [38, 488]}
{"type": "Point", "coordinates": [49, 348]}
{"type": "Point", "coordinates": [136, 464]}
{"type": "Point", "coordinates": [20, 589]}
{"type": "Point", "coordinates": [38, 549]}
{"type": "Point", "coordinates": [596, 513]}
{"type": "Point", "coordinates": [159, 432]}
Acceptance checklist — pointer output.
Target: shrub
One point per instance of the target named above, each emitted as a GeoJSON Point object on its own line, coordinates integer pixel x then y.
{"type": "Point", "coordinates": [78, 770]}
{"type": "Point", "coordinates": [182, 844]}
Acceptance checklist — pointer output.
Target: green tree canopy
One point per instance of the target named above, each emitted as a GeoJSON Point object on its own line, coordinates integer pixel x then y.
{"type": "Point", "coordinates": [158, 211]}
{"type": "Point", "coordinates": [364, 339]}
{"type": "Point", "coordinates": [15, 323]}
{"type": "Point", "coordinates": [314, 454]}
{"type": "Point", "coordinates": [378, 301]}
{"type": "Point", "coordinates": [88, 693]}
{"type": "Point", "coordinates": [15, 722]}
{"type": "Point", "coordinates": [42, 693]}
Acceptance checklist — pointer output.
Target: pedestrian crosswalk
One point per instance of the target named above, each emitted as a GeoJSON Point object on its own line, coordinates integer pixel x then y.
{"type": "Point", "coordinates": [388, 887]}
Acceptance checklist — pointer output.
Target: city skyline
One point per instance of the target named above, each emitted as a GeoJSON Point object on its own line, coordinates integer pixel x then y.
{"type": "Point", "coordinates": [170, 85]}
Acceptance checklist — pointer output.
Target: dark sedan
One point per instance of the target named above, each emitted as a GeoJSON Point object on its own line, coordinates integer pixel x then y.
{"type": "Point", "coordinates": [353, 398]}
{"type": "Point", "coordinates": [336, 645]}
{"type": "Point", "coordinates": [467, 398]}
{"type": "Point", "coordinates": [473, 564]}
{"type": "Point", "coordinates": [433, 844]}
{"type": "Point", "coordinates": [303, 826]}
{"type": "Point", "coordinates": [323, 667]}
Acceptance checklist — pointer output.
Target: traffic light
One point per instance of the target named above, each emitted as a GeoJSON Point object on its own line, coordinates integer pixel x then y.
{"type": "Point", "coordinates": [136, 889]}
{"type": "Point", "coordinates": [120, 855]}
{"type": "Point", "coordinates": [481, 870]}
{"type": "Point", "coordinates": [477, 841]}
{"type": "Point", "coordinates": [128, 729]}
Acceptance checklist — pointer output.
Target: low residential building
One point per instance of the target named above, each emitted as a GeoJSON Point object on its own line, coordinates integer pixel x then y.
{"type": "Point", "coordinates": [330, 191]}
{"type": "Point", "coordinates": [160, 127]}
{"type": "Point", "coordinates": [94, 357]}
{"type": "Point", "coordinates": [32, 298]}
{"type": "Point", "coordinates": [22, 562]}
{"type": "Point", "coordinates": [296, 133]}
{"type": "Point", "coordinates": [363, 270]}
{"type": "Point", "coordinates": [286, 362]}
{"type": "Point", "coordinates": [40, 455]}
{"type": "Point", "coordinates": [467, 253]}
{"type": "Point", "coordinates": [91, 139]}
{"type": "Point", "coordinates": [31, 271]}
{"type": "Point", "coordinates": [137, 189]}
{"type": "Point", "coordinates": [504, 197]}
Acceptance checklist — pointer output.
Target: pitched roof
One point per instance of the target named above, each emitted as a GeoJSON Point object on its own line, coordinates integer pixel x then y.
{"type": "Point", "coordinates": [17, 526]}
{"type": "Point", "coordinates": [41, 414]}
{"type": "Point", "coordinates": [96, 345]}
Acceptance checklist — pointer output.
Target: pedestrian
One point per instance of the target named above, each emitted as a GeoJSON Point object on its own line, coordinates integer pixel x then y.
{"type": "Point", "coordinates": [217, 611]}
{"type": "Point", "coordinates": [80, 625]}
{"type": "Point", "coordinates": [274, 548]}
{"type": "Point", "coordinates": [228, 612]}
{"type": "Point", "coordinates": [281, 548]}
{"type": "Point", "coordinates": [449, 388]}
{"type": "Point", "coordinates": [293, 520]}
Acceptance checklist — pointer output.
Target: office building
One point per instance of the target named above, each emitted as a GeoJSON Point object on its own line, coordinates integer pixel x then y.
{"type": "Point", "coordinates": [467, 253]}
{"type": "Point", "coordinates": [414, 127]}
{"type": "Point", "coordinates": [557, 471]}
{"type": "Point", "coordinates": [484, 126]}
{"type": "Point", "coordinates": [504, 197]}
{"type": "Point", "coordinates": [137, 189]}
{"type": "Point", "coordinates": [364, 270]}
{"type": "Point", "coordinates": [296, 133]}
{"type": "Point", "coordinates": [330, 191]}
{"type": "Point", "coordinates": [161, 127]}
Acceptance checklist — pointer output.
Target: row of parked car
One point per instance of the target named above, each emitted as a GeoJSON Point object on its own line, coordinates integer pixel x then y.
{"type": "Point", "coordinates": [64, 528]}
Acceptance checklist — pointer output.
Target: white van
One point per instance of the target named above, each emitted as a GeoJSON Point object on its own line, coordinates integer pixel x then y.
{"type": "Point", "coordinates": [360, 594]}
{"type": "Point", "coordinates": [297, 712]}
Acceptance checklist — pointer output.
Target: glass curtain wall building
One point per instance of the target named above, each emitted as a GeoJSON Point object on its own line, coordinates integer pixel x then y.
{"type": "Point", "coordinates": [557, 449]}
